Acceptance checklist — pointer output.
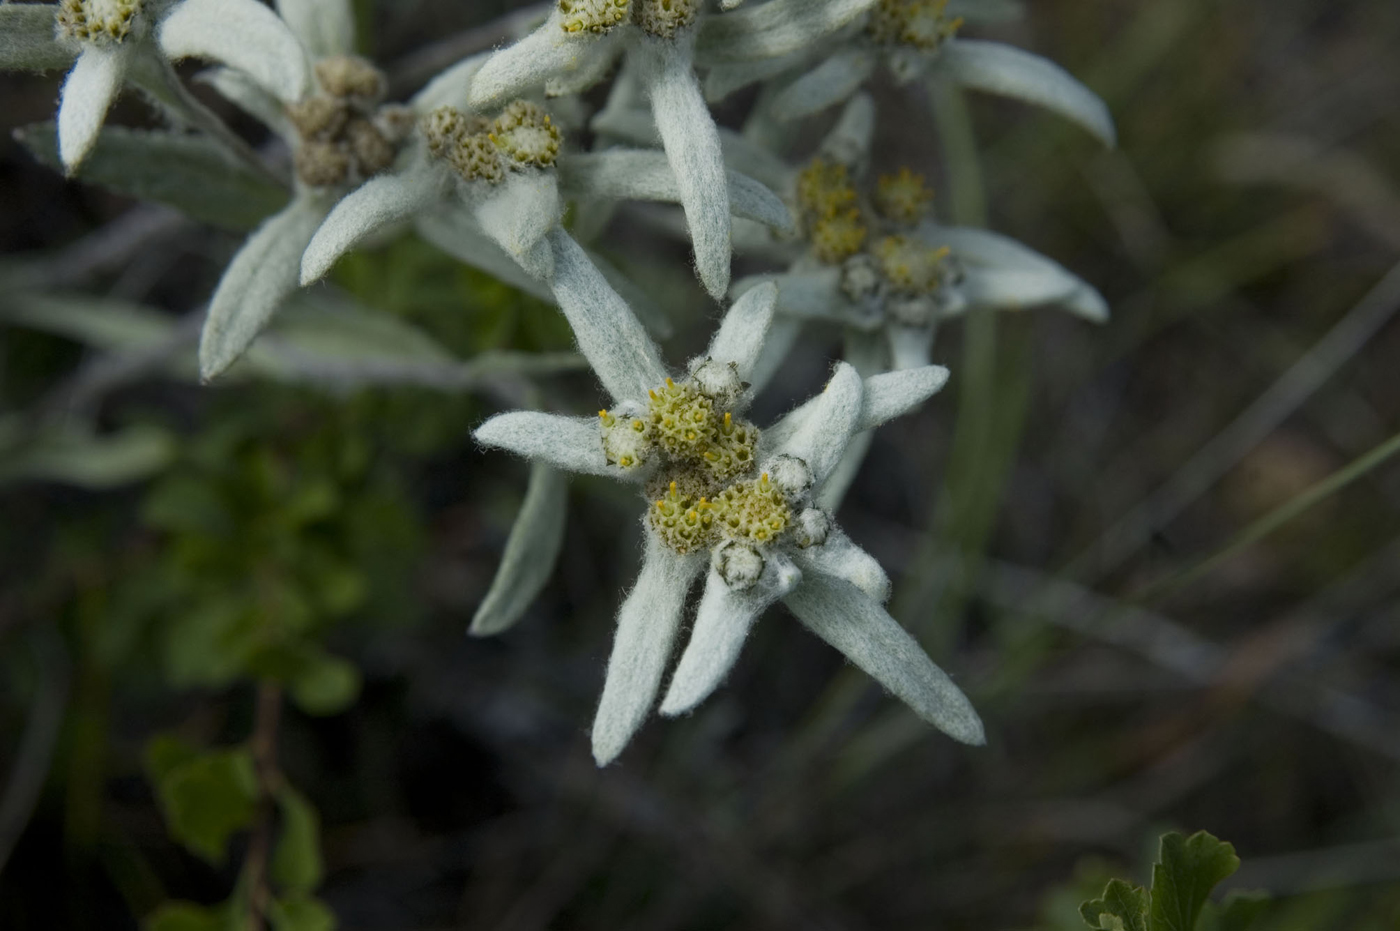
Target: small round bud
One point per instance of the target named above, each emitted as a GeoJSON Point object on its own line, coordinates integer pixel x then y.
{"type": "Point", "coordinates": [318, 117]}
{"type": "Point", "coordinates": [321, 164]}
{"type": "Point", "coordinates": [791, 475]}
{"type": "Point", "coordinates": [860, 277]}
{"type": "Point", "coordinates": [627, 436]}
{"type": "Point", "coordinates": [811, 528]}
{"type": "Point", "coordinates": [664, 18]}
{"type": "Point", "coordinates": [903, 198]}
{"type": "Point", "coordinates": [373, 153]}
{"type": "Point", "coordinates": [719, 380]}
{"type": "Point", "coordinates": [349, 76]}
{"type": "Point", "coordinates": [596, 16]}
{"type": "Point", "coordinates": [740, 566]}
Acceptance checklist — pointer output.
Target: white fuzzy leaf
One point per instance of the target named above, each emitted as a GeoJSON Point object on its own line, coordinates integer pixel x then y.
{"type": "Point", "coordinates": [250, 97]}
{"type": "Point", "coordinates": [325, 27]}
{"type": "Point", "coordinates": [833, 491]}
{"type": "Point", "coordinates": [821, 437]}
{"type": "Point", "coordinates": [1002, 272]}
{"type": "Point", "coordinates": [649, 312]}
{"type": "Point", "coordinates": [776, 28]}
{"type": "Point", "coordinates": [242, 34]}
{"type": "Point", "coordinates": [379, 202]}
{"type": "Point", "coordinates": [841, 558]}
{"type": "Point", "coordinates": [545, 54]}
{"type": "Point", "coordinates": [256, 282]}
{"type": "Point", "coordinates": [92, 85]}
{"type": "Point", "coordinates": [573, 444]}
{"type": "Point", "coordinates": [101, 322]}
{"type": "Point", "coordinates": [646, 630]}
{"type": "Point", "coordinates": [454, 231]}
{"type": "Point", "coordinates": [722, 623]}
{"type": "Point", "coordinates": [855, 624]}
{"type": "Point", "coordinates": [741, 333]}
{"type": "Point", "coordinates": [451, 88]}
{"type": "Point", "coordinates": [834, 80]}
{"type": "Point", "coordinates": [691, 140]}
{"type": "Point", "coordinates": [910, 347]}
{"type": "Point", "coordinates": [608, 333]}
{"type": "Point", "coordinates": [518, 213]}
{"type": "Point", "coordinates": [850, 139]}
{"type": "Point", "coordinates": [782, 334]}
{"type": "Point", "coordinates": [531, 549]}
{"type": "Point", "coordinates": [1012, 72]}
{"type": "Point", "coordinates": [27, 40]}
{"type": "Point", "coordinates": [893, 394]}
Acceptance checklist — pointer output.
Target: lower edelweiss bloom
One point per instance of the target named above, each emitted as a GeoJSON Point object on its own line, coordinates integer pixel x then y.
{"type": "Point", "coordinates": [728, 501]}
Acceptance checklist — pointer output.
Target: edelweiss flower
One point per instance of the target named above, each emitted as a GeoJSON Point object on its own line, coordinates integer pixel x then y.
{"type": "Point", "coordinates": [728, 501]}
{"type": "Point", "coordinates": [340, 132]}
{"type": "Point", "coordinates": [915, 39]}
{"type": "Point", "coordinates": [577, 46]}
{"type": "Point", "coordinates": [876, 263]}
{"type": "Point", "coordinates": [117, 39]}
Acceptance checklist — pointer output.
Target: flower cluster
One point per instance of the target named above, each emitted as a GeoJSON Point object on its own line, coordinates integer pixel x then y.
{"type": "Point", "coordinates": [485, 162]}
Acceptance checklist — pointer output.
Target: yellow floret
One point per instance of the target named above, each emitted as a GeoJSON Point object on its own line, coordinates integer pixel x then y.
{"type": "Point", "coordinates": [753, 511]}
{"type": "Point", "coordinates": [595, 16]}
{"type": "Point", "coordinates": [837, 238]}
{"type": "Point", "coordinates": [683, 522]}
{"type": "Point", "coordinates": [910, 266]}
{"type": "Point", "coordinates": [903, 198]}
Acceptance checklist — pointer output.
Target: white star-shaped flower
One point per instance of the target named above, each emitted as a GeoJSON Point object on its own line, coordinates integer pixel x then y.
{"type": "Point", "coordinates": [728, 501]}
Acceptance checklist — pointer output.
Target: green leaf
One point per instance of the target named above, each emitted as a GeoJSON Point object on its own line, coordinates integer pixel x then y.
{"type": "Point", "coordinates": [211, 642]}
{"type": "Point", "coordinates": [1188, 869]}
{"type": "Point", "coordinates": [166, 753]}
{"type": "Point", "coordinates": [302, 913]}
{"type": "Point", "coordinates": [185, 916]}
{"type": "Point", "coordinates": [325, 684]}
{"type": "Point", "coordinates": [296, 862]}
{"type": "Point", "coordinates": [190, 173]}
{"type": "Point", "coordinates": [1123, 907]}
{"type": "Point", "coordinates": [1238, 912]}
{"type": "Point", "coordinates": [27, 40]}
{"type": "Point", "coordinates": [207, 798]}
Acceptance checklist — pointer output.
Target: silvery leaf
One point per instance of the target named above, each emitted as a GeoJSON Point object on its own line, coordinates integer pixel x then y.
{"type": "Point", "coordinates": [573, 444]}
{"type": "Point", "coordinates": [530, 553]}
{"type": "Point", "coordinates": [193, 174]}
{"type": "Point", "coordinates": [27, 40]}
{"type": "Point", "coordinates": [1002, 272]}
{"type": "Point", "coordinates": [91, 86]}
{"type": "Point", "coordinates": [453, 230]}
{"type": "Point", "coordinates": [518, 213]}
{"type": "Point", "coordinates": [325, 27]}
{"type": "Point", "coordinates": [834, 80]}
{"type": "Point", "coordinates": [776, 28]}
{"type": "Point", "coordinates": [104, 323]}
{"type": "Point", "coordinates": [242, 34]}
{"type": "Point", "coordinates": [72, 455]}
{"type": "Point", "coordinates": [250, 97]}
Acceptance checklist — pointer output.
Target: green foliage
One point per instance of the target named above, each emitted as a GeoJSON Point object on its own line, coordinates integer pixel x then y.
{"type": "Point", "coordinates": [301, 913]}
{"type": "Point", "coordinates": [1187, 869]}
{"type": "Point", "coordinates": [205, 796]}
{"type": "Point", "coordinates": [296, 863]}
{"type": "Point", "coordinates": [186, 916]}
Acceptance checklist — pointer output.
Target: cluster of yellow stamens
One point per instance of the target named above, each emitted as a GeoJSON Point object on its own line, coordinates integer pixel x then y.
{"type": "Point", "coordinates": [909, 265]}
{"type": "Point", "coordinates": [523, 136]}
{"type": "Point", "coordinates": [829, 206]}
{"type": "Point", "coordinates": [755, 511]}
{"type": "Point", "coordinates": [921, 24]}
{"type": "Point", "coordinates": [903, 198]}
{"type": "Point", "coordinates": [344, 136]}
{"type": "Point", "coordinates": [662, 18]}
{"type": "Point", "coordinates": [97, 21]}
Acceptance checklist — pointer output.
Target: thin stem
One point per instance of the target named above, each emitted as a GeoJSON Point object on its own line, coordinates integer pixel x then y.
{"type": "Point", "coordinates": [263, 745]}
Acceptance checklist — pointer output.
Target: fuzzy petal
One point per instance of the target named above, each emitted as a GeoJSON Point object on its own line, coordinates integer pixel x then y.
{"type": "Point", "coordinates": [518, 213]}
{"type": "Point", "coordinates": [851, 621]}
{"type": "Point", "coordinates": [910, 347]}
{"type": "Point", "coordinates": [782, 334]}
{"type": "Point", "coordinates": [740, 336]}
{"type": "Point", "coordinates": [774, 29]}
{"type": "Point", "coordinates": [1012, 72]}
{"type": "Point", "coordinates": [455, 232]}
{"type": "Point", "coordinates": [569, 443]}
{"type": "Point", "coordinates": [722, 623]}
{"type": "Point", "coordinates": [547, 53]}
{"type": "Point", "coordinates": [1002, 272]}
{"type": "Point", "coordinates": [850, 139]}
{"type": "Point", "coordinates": [821, 438]}
{"type": "Point", "coordinates": [833, 490]}
{"type": "Point", "coordinates": [379, 202]}
{"type": "Point", "coordinates": [250, 97]}
{"type": "Point", "coordinates": [841, 558]}
{"type": "Point", "coordinates": [325, 27]}
{"type": "Point", "coordinates": [646, 630]}
{"type": "Point", "coordinates": [256, 282]}
{"type": "Point", "coordinates": [242, 34]}
{"type": "Point", "coordinates": [893, 394]}
{"type": "Point", "coordinates": [608, 333]}
{"type": "Point", "coordinates": [451, 88]}
{"type": "Point", "coordinates": [92, 85]}
{"type": "Point", "coordinates": [531, 549]}
{"type": "Point", "coordinates": [691, 139]}
{"type": "Point", "coordinates": [831, 82]}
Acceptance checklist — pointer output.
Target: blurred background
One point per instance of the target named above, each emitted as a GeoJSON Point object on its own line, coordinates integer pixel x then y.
{"type": "Point", "coordinates": [1161, 555]}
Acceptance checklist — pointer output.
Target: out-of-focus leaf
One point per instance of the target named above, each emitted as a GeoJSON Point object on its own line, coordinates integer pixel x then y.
{"type": "Point", "coordinates": [325, 685]}
{"type": "Point", "coordinates": [185, 504]}
{"type": "Point", "coordinates": [191, 173]}
{"type": "Point", "coordinates": [185, 916]}
{"type": "Point", "coordinates": [1238, 912]}
{"type": "Point", "coordinates": [207, 798]}
{"type": "Point", "coordinates": [72, 456]}
{"type": "Point", "coordinates": [27, 40]}
{"type": "Point", "coordinates": [102, 322]}
{"type": "Point", "coordinates": [210, 643]}
{"type": "Point", "coordinates": [296, 861]}
{"type": "Point", "coordinates": [1122, 907]}
{"type": "Point", "coordinates": [302, 913]}
{"type": "Point", "coordinates": [1188, 869]}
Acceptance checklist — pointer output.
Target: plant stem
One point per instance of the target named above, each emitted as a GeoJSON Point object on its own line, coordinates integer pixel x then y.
{"type": "Point", "coordinates": [263, 744]}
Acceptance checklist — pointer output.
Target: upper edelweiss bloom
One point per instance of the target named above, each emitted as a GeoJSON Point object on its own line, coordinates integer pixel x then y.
{"type": "Point", "coordinates": [726, 500]}
{"type": "Point", "coordinates": [915, 39]}
{"type": "Point", "coordinates": [877, 263]}
{"type": "Point", "coordinates": [110, 36]}
{"type": "Point", "coordinates": [577, 46]}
